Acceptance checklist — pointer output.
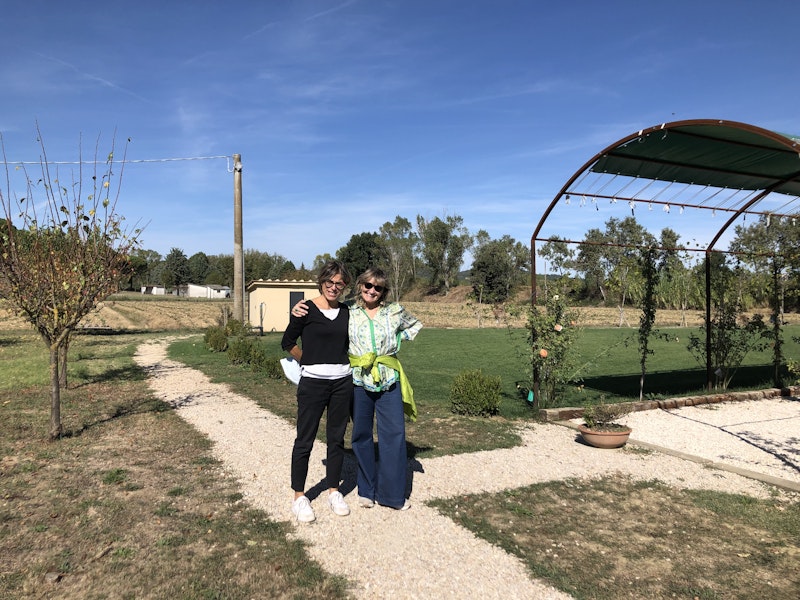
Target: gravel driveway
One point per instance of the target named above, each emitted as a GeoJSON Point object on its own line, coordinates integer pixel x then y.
{"type": "Point", "coordinates": [420, 554]}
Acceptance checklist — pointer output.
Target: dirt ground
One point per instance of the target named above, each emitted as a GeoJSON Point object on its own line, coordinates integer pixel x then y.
{"type": "Point", "coordinates": [452, 311]}
{"type": "Point", "coordinates": [134, 314]}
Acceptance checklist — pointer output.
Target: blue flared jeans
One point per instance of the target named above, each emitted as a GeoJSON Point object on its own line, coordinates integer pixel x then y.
{"type": "Point", "coordinates": [381, 478]}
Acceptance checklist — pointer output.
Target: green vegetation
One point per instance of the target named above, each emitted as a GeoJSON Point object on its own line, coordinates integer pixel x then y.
{"type": "Point", "coordinates": [552, 350]}
{"type": "Point", "coordinates": [130, 498]}
{"type": "Point", "coordinates": [608, 361]}
{"type": "Point", "coordinates": [475, 393]}
{"type": "Point", "coordinates": [608, 358]}
{"type": "Point", "coordinates": [668, 544]}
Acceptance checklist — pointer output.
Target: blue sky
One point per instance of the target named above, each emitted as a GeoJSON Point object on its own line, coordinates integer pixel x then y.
{"type": "Point", "coordinates": [349, 113]}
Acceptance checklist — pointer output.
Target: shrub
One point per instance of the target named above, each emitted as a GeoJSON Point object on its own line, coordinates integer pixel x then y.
{"type": "Point", "coordinates": [240, 351]}
{"type": "Point", "coordinates": [733, 336]}
{"type": "Point", "coordinates": [216, 339]}
{"type": "Point", "coordinates": [234, 327]}
{"type": "Point", "coordinates": [794, 370]}
{"type": "Point", "coordinates": [261, 363]}
{"type": "Point", "coordinates": [245, 350]}
{"type": "Point", "coordinates": [602, 416]}
{"type": "Point", "coordinates": [475, 394]}
{"type": "Point", "coordinates": [257, 357]}
{"type": "Point", "coordinates": [269, 365]}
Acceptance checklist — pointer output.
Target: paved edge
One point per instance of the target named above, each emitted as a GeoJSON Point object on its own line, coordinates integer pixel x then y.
{"type": "Point", "coordinates": [778, 482]}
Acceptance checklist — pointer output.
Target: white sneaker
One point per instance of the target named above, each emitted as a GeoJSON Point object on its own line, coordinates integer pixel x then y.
{"type": "Point", "coordinates": [301, 508]}
{"type": "Point", "coordinates": [365, 502]}
{"type": "Point", "coordinates": [338, 505]}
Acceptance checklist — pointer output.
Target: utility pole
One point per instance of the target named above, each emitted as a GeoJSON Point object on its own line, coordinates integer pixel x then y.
{"type": "Point", "coordinates": [238, 257]}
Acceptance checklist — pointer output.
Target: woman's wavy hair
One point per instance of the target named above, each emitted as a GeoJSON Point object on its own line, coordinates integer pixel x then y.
{"type": "Point", "coordinates": [380, 279]}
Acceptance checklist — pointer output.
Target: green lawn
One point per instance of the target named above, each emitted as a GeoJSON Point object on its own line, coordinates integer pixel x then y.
{"type": "Point", "coordinates": [608, 357]}
{"type": "Point", "coordinates": [610, 369]}
{"type": "Point", "coordinates": [136, 490]}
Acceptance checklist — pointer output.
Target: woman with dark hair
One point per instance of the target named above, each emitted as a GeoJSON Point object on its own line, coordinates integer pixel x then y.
{"type": "Point", "coordinates": [326, 382]}
{"type": "Point", "coordinates": [381, 392]}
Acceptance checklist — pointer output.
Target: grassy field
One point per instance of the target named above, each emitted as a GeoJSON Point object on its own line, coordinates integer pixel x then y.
{"type": "Point", "coordinates": [131, 499]}
{"type": "Point", "coordinates": [610, 370]}
{"type": "Point", "coordinates": [608, 359]}
{"type": "Point", "coordinates": [130, 503]}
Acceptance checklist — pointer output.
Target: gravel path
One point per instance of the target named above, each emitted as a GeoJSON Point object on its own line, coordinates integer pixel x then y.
{"type": "Point", "coordinates": [420, 554]}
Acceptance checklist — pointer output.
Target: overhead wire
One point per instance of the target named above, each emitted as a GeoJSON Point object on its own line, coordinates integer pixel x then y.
{"type": "Point", "coordinates": [123, 161]}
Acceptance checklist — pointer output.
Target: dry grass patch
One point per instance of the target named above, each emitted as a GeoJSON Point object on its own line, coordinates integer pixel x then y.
{"type": "Point", "coordinates": [613, 538]}
{"type": "Point", "coordinates": [131, 504]}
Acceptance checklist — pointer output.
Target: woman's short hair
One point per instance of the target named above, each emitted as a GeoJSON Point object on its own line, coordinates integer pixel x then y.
{"type": "Point", "coordinates": [380, 279]}
{"type": "Point", "coordinates": [332, 268]}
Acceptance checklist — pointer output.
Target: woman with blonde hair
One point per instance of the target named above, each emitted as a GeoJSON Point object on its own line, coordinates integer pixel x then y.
{"type": "Point", "coordinates": [381, 393]}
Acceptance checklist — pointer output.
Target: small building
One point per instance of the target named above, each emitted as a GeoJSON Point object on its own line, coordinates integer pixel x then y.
{"type": "Point", "coordinates": [154, 290]}
{"type": "Point", "coordinates": [193, 290]}
{"type": "Point", "coordinates": [270, 300]}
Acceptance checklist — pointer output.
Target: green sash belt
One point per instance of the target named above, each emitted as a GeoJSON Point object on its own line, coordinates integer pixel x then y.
{"type": "Point", "coordinates": [370, 362]}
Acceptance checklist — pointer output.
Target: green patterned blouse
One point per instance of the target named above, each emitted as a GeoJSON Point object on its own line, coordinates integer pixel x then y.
{"type": "Point", "coordinates": [381, 335]}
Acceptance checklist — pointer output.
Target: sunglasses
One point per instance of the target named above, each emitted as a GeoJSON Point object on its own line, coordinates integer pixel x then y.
{"type": "Point", "coordinates": [368, 286]}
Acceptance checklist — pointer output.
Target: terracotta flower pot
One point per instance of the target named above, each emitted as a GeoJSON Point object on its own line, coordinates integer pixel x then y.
{"type": "Point", "coordinates": [604, 439]}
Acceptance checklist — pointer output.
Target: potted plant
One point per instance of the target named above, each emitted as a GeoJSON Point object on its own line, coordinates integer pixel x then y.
{"type": "Point", "coordinates": [600, 427]}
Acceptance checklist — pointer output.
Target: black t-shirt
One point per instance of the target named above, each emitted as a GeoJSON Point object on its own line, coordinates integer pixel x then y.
{"type": "Point", "coordinates": [325, 341]}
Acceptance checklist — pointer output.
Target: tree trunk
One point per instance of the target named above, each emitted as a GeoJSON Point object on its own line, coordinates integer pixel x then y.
{"type": "Point", "coordinates": [622, 319]}
{"type": "Point", "coordinates": [55, 395]}
{"type": "Point", "coordinates": [63, 349]}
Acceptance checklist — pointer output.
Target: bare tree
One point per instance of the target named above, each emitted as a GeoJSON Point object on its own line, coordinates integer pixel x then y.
{"type": "Point", "coordinates": [62, 251]}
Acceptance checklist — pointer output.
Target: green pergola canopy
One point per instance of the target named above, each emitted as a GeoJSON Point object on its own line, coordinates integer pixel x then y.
{"type": "Point", "coordinates": [715, 166]}
{"type": "Point", "coordinates": [725, 167]}
{"type": "Point", "coordinates": [715, 153]}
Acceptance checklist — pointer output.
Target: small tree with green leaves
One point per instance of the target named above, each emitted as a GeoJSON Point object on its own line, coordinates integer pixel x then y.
{"type": "Point", "coordinates": [63, 249]}
{"type": "Point", "coordinates": [443, 243]}
{"type": "Point", "coordinates": [399, 241]}
{"type": "Point", "coordinates": [647, 262]}
{"type": "Point", "coordinates": [176, 270]}
{"type": "Point", "coordinates": [551, 336]}
{"type": "Point", "coordinates": [731, 335]}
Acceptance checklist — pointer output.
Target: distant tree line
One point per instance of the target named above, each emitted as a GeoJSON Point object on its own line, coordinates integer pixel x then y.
{"type": "Point", "coordinates": [604, 269]}
{"type": "Point", "coordinates": [761, 266]}
{"type": "Point", "coordinates": [175, 269]}
{"type": "Point", "coordinates": [430, 252]}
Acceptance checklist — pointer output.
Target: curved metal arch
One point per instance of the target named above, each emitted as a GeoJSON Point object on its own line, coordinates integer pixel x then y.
{"type": "Point", "coordinates": [755, 200]}
{"type": "Point", "coordinates": [787, 144]}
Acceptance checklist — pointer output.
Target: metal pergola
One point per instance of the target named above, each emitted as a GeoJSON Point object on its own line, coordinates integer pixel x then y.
{"type": "Point", "coordinates": [720, 167]}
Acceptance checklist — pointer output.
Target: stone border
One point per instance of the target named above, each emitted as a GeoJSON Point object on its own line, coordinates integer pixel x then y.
{"type": "Point", "coordinates": [551, 415]}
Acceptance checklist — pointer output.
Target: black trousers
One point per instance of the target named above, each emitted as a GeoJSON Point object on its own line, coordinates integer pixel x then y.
{"type": "Point", "coordinates": [313, 397]}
